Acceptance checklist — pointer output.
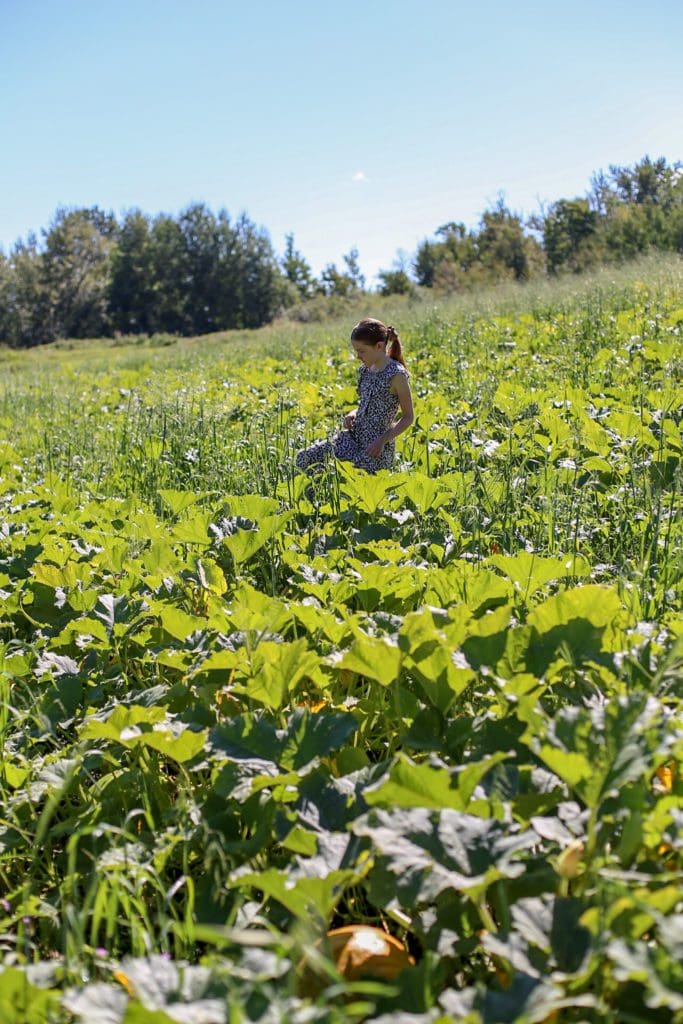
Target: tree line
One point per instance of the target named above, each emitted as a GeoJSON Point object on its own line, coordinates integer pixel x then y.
{"type": "Point", "coordinates": [93, 275]}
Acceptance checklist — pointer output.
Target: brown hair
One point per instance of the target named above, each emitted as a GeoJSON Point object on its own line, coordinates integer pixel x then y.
{"type": "Point", "coordinates": [372, 331]}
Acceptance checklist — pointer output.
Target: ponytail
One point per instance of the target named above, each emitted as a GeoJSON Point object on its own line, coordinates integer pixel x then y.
{"type": "Point", "coordinates": [394, 351]}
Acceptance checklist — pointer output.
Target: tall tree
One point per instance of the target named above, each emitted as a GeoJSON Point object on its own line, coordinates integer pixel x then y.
{"type": "Point", "coordinates": [396, 280]}
{"type": "Point", "coordinates": [261, 278]}
{"type": "Point", "coordinates": [201, 241]}
{"type": "Point", "coordinates": [353, 269]}
{"type": "Point", "coordinates": [639, 207]}
{"type": "Point", "coordinates": [296, 269]}
{"type": "Point", "coordinates": [172, 277]}
{"type": "Point", "coordinates": [132, 287]}
{"type": "Point", "coordinates": [568, 231]}
{"type": "Point", "coordinates": [76, 271]}
{"type": "Point", "coordinates": [228, 274]}
{"type": "Point", "coordinates": [6, 281]}
{"type": "Point", "coordinates": [503, 246]}
{"type": "Point", "coordinates": [333, 281]}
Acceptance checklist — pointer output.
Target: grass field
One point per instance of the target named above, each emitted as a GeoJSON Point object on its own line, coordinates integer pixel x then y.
{"type": "Point", "coordinates": [444, 702]}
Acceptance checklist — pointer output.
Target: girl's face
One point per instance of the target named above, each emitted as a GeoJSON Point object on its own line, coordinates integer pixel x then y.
{"type": "Point", "coordinates": [369, 354]}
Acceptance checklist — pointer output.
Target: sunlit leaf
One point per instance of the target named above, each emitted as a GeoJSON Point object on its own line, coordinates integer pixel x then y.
{"type": "Point", "coordinates": [373, 658]}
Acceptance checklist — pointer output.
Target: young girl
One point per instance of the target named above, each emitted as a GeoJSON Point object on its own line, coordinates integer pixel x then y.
{"type": "Point", "coordinates": [369, 431]}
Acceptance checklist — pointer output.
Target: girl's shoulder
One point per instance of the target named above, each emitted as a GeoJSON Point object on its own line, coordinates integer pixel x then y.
{"type": "Point", "coordinates": [396, 367]}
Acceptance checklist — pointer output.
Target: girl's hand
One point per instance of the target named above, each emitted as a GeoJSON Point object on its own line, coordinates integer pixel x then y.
{"type": "Point", "coordinates": [374, 450]}
{"type": "Point", "coordinates": [349, 420]}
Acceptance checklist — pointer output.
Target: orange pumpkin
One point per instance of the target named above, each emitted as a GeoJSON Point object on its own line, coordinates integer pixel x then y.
{"type": "Point", "coordinates": [361, 951]}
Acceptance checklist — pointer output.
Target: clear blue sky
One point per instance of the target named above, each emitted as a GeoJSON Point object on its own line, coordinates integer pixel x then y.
{"type": "Point", "coordinates": [366, 122]}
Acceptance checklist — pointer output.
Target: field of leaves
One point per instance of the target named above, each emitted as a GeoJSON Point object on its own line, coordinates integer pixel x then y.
{"type": "Point", "coordinates": [444, 702]}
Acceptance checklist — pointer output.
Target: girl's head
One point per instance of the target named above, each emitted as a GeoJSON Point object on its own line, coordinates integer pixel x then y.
{"type": "Point", "coordinates": [370, 339]}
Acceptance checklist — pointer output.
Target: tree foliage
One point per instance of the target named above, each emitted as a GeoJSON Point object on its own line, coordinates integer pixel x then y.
{"type": "Point", "coordinates": [296, 269]}
{"type": "Point", "coordinates": [93, 275]}
{"type": "Point", "coordinates": [628, 211]}
{"type": "Point", "coordinates": [497, 250]}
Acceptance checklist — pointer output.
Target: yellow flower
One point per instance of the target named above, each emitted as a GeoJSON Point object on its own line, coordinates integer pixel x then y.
{"type": "Point", "coordinates": [567, 864]}
{"type": "Point", "coordinates": [124, 980]}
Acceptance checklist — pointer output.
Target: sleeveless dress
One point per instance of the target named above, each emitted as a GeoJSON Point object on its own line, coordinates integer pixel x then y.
{"type": "Point", "coordinates": [377, 408]}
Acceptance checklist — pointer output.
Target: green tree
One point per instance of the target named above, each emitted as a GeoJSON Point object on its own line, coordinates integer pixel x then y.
{"type": "Point", "coordinates": [646, 182]}
{"type": "Point", "coordinates": [639, 207]}
{"type": "Point", "coordinates": [25, 317]}
{"type": "Point", "coordinates": [296, 270]}
{"type": "Point", "coordinates": [504, 248]}
{"type": "Point", "coordinates": [499, 249]}
{"type": "Point", "coordinates": [394, 282]}
{"type": "Point", "coordinates": [5, 299]}
{"type": "Point", "coordinates": [427, 258]}
{"type": "Point", "coordinates": [132, 287]}
{"type": "Point", "coordinates": [568, 230]}
{"type": "Point", "coordinates": [335, 282]}
{"type": "Point", "coordinates": [76, 272]}
{"type": "Point", "coordinates": [171, 275]}
{"type": "Point", "coordinates": [353, 269]}
{"type": "Point", "coordinates": [262, 283]}
{"type": "Point", "coordinates": [201, 241]}
{"type": "Point", "coordinates": [447, 264]}
{"type": "Point", "coordinates": [228, 274]}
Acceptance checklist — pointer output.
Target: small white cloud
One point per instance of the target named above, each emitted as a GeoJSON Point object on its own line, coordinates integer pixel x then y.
{"type": "Point", "coordinates": [359, 176]}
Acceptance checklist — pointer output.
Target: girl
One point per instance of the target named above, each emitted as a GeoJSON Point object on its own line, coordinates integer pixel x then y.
{"type": "Point", "coordinates": [367, 439]}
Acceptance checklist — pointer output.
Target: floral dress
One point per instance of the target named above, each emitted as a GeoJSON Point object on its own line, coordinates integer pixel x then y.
{"type": "Point", "coordinates": [377, 410]}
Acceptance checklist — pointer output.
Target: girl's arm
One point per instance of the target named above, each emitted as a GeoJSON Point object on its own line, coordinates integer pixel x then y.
{"type": "Point", "coordinates": [401, 389]}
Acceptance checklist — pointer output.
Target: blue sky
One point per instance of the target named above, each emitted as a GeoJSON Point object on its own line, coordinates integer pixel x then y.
{"type": "Point", "coordinates": [360, 123]}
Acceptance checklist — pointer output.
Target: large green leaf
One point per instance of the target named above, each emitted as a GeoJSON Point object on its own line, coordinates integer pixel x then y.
{"type": "Point", "coordinates": [373, 658]}
{"type": "Point", "coordinates": [243, 543]}
{"type": "Point", "coordinates": [578, 623]}
{"type": "Point", "coordinates": [148, 727]}
{"type": "Point", "coordinates": [194, 530]}
{"type": "Point", "coordinates": [21, 1002]}
{"type": "Point", "coordinates": [434, 658]}
{"type": "Point", "coordinates": [599, 751]}
{"type": "Point", "coordinates": [422, 854]}
{"type": "Point", "coordinates": [253, 611]}
{"type": "Point", "coordinates": [305, 898]}
{"type": "Point", "coordinates": [306, 737]}
{"type": "Point", "coordinates": [415, 785]}
{"type": "Point", "coordinates": [529, 571]}
{"type": "Point", "coordinates": [177, 501]}
{"type": "Point", "coordinates": [180, 624]}
{"type": "Point", "coordinates": [276, 669]}
{"type": "Point", "coordinates": [424, 785]}
{"type": "Point", "coordinates": [424, 492]}
{"type": "Point", "coordinates": [365, 490]}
